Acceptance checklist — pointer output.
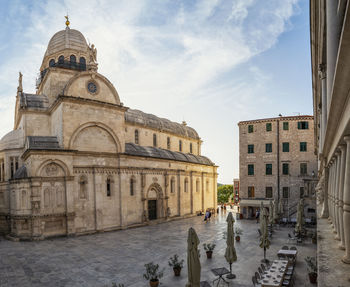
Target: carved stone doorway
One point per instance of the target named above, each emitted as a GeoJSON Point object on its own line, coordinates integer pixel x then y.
{"type": "Point", "coordinates": [152, 209]}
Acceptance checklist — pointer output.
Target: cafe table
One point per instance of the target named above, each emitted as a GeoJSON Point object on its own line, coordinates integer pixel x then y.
{"type": "Point", "coordinates": [288, 253]}
{"type": "Point", "coordinates": [273, 277]}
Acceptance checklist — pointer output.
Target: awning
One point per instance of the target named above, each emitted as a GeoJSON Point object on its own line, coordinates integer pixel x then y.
{"type": "Point", "coordinates": [254, 202]}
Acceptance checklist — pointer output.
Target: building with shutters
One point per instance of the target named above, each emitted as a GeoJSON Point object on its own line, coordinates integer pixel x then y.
{"type": "Point", "coordinates": [277, 161]}
{"type": "Point", "coordinates": [78, 161]}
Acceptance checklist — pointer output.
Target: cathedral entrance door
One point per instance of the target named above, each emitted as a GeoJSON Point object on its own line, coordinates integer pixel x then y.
{"type": "Point", "coordinates": [152, 209]}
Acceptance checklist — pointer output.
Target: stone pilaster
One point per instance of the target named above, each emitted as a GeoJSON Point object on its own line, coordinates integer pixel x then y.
{"type": "Point", "coordinates": [346, 199]}
{"type": "Point", "coordinates": [336, 199]}
{"type": "Point", "coordinates": [325, 209]}
{"type": "Point", "coordinates": [341, 195]}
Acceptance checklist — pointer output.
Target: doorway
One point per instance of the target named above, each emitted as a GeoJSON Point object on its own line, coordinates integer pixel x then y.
{"type": "Point", "coordinates": [152, 209]}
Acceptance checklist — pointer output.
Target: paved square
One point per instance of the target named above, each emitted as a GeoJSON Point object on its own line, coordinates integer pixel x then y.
{"type": "Point", "coordinates": [100, 259]}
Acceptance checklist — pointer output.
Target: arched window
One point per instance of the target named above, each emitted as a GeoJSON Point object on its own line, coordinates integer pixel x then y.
{"type": "Point", "coordinates": [154, 140]}
{"type": "Point", "coordinates": [172, 185]}
{"type": "Point", "coordinates": [132, 183]}
{"type": "Point", "coordinates": [82, 187]}
{"type": "Point", "coordinates": [82, 63]}
{"type": "Point", "coordinates": [168, 142]}
{"type": "Point", "coordinates": [180, 145]}
{"type": "Point", "coordinates": [73, 59]}
{"type": "Point", "coordinates": [108, 187]}
{"type": "Point", "coordinates": [52, 63]}
{"type": "Point", "coordinates": [190, 147]}
{"type": "Point", "coordinates": [197, 186]}
{"type": "Point", "coordinates": [136, 136]}
{"type": "Point", "coordinates": [61, 59]}
{"type": "Point", "coordinates": [186, 185]}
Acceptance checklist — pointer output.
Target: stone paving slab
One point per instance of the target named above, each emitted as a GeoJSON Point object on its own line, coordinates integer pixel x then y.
{"type": "Point", "coordinates": [100, 259]}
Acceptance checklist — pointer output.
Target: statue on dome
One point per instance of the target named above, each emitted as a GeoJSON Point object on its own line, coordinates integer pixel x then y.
{"type": "Point", "coordinates": [93, 54]}
{"type": "Point", "coordinates": [20, 87]}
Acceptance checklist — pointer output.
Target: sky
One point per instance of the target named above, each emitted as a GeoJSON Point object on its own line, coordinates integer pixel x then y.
{"type": "Point", "coordinates": [211, 63]}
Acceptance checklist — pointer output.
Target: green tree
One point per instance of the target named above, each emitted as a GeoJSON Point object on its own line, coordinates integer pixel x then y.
{"type": "Point", "coordinates": [224, 193]}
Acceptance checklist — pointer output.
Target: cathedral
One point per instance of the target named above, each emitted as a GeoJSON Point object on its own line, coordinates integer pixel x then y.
{"type": "Point", "coordinates": [78, 161]}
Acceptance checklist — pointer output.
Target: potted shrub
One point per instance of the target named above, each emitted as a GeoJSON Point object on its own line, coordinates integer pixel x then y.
{"type": "Point", "coordinates": [176, 264]}
{"type": "Point", "coordinates": [153, 274]}
{"type": "Point", "coordinates": [209, 249]}
{"type": "Point", "coordinates": [238, 233]}
{"type": "Point", "coordinates": [312, 268]}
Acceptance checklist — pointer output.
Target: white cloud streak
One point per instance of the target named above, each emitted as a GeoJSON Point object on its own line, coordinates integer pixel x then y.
{"type": "Point", "coordinates": [173, 59]}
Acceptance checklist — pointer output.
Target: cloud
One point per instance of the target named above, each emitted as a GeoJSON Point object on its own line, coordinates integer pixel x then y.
{"type": "Point", "coordinates": [169, 58]}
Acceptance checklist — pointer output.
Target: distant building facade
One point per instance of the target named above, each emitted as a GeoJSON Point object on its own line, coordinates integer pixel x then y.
{"type": "Point", "coordinates": [277, 161]}
{"type": "Point", "coordinates": [78, 161]}
{"type": "Point", "coordinates": [330, 56]}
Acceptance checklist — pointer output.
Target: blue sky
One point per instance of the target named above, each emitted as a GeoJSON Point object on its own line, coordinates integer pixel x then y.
{"type": "Point", "coordinates": [211, 63]}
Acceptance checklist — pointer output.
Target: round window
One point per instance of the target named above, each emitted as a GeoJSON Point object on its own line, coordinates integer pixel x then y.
{"type": "Point", "coordinates": [92, 88]}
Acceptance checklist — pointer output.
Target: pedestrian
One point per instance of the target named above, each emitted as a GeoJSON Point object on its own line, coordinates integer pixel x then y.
{"type": "Point", "coordinates": [217, 210]}
{"type": "Point", "coordinates": [206, 216]}
{"type": "Point", "coordinates": [209, 215]}
{"type": "Point", "coordinates": [257, 215]}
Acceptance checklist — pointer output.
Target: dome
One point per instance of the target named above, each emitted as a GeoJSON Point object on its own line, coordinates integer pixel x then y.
{"type": "Point", "coordinates": [67, 39]}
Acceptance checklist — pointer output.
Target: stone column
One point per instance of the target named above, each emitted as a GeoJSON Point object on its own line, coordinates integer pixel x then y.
{"type": "Point", "coordinates": [336, 198]}
{"type": "Point", "coordinates": [346, 199]}
{"type": "Point", "coordinates": [323, 76]}
{"type": "Point", "coordinates": [331, 191]}
{"type": "Point", "coordinates": [341, 193]}
{"type": "Point", "coordinates": [333, 32]}
{"type": "Point", "coordinates": [325, 210]}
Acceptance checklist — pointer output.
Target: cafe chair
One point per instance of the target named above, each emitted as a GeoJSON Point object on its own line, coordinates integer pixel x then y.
{"type": "Point", "coordinates": [285, 247]}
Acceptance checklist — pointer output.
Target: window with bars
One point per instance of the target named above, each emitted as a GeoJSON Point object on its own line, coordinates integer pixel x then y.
{"type": "Point", "coordinates": [285, 147]}
{"type": "Point", "coordinates": [13, 165]}
{"type": "Point", "coordinates": [250, 148]}
{"type": "Point", "coordinates": [250, 169]}
{"type": "Point", "coordinates": [285, 168]}
{"type": "Point", "coordinates": [303, 125]}
{"type": "Point", "coordinates": [108, 187]}
{"type": "Point", "coordinates": [136, 137]}
{"type": "Point", "coordinates": [132, 186]}
{"type": "Point", "coordinates": [191, 148]}
{"type": "Point", "coordinates": [285, 126]}
{"type": "Point", "coordinates": [180, 145]}
{"type": "Point", "coordinates": [303, 146]}
{"type": "Point", "coordinates": [268, 191]}
{"type": "Point", "coordinates": [268, 168]}
{"type": "Point", "coordinates": [303, 168]}
{"type": "Point", "coordinates": [268, 147]}
{"type": "Point", "coordinates": [285, 192]}
{"type": "Point", "coordinates": [168, 142]}
{"type": "Point", "coordinates": [268, 127]}
{"type": "Point", "coordinates": [250, 128]}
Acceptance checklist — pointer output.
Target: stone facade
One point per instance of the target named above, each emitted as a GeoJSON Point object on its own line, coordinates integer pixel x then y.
{"type": "Point", "coordinates": [78, 161]}
{"type": "Point", "coordinates": [330, 55]}
{"type": "Point", "coordinates": [277, 161]}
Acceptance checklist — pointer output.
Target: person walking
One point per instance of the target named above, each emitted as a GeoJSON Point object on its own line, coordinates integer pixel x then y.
{"type": "Point", "coordinates": [257, 215]}
{"type": "Point", "coordinates": [209, 215]}
{"type": "Point", "coordinates": [206, 216]}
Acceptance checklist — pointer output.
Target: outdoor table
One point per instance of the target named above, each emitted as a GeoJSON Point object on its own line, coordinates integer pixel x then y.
{"type": "Point", "coordinates": [288, 253]}
{"type": "Point", "coordinates": [220, 272]}
{"type": "Point", "coordinates": [274, 276]}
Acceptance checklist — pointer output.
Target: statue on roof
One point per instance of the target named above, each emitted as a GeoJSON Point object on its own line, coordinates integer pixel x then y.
{"type": "Point", "coordinates": [93, 54]}
{"type": "Point", "coordinates": [20, 87]}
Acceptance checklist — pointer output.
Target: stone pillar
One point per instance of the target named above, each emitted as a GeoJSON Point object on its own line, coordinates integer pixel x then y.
{"type": "Point", "coordinates": [330, 191]}
{"type": "Point", "coordinates": [336, 198]}
{"type": "Point", "coordinates": [323, 76]}
{"type": "Point", "coordinates": [341, 194]}
{"type": "Point", "coordinates": [346, 199]}
{"type": "Point", "coordinates": [325, 210]}
{"type": "Point", "coordinates": [333, 32]}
